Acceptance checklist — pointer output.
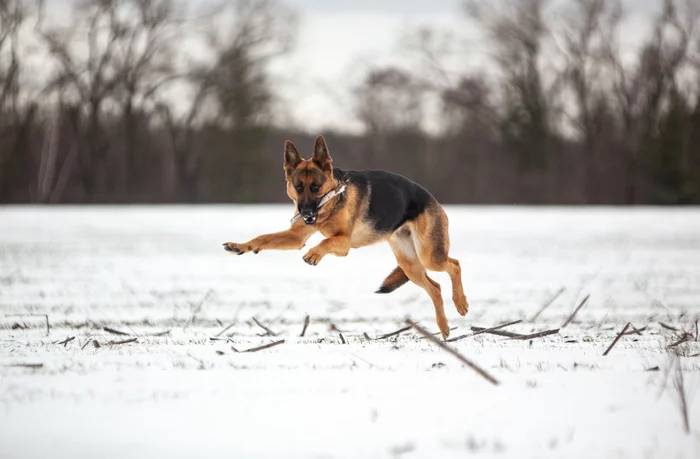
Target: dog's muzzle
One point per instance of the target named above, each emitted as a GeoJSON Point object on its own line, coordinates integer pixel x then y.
{"type": "Point", "coordinates": [309, 216]}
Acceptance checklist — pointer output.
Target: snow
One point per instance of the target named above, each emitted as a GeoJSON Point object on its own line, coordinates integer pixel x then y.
{"type": "Point", "coordinates": [147, 269]}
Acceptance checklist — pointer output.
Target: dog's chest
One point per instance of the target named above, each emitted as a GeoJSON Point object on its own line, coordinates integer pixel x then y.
{"type": "Point", "coordinates": [362, 235]}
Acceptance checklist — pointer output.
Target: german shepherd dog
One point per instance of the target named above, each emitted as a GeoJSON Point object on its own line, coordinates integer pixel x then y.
{"type": "Point", "coordinates": [354, 209]}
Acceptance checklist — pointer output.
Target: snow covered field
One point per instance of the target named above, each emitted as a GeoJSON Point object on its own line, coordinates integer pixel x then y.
{"type": "Point", "coordinates": [159, 274]}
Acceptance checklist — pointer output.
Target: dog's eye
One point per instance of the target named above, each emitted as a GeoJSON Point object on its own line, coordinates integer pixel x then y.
{"type": "Point", "coordinates": [300, 188]}
{"type": "Point", "coordinates": [315, 188]}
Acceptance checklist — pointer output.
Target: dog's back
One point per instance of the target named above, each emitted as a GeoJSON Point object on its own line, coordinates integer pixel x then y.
{"type": "Point", "coordinates": [389, 199]}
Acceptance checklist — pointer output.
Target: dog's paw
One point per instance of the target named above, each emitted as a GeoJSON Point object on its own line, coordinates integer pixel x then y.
{"type": "Point", "coordinates": [239, 249]}
{"type": "Point", "coordinates": [444, 328]}
{"type": "Point", "coordinates": [461, 304]}
{"type": "Point", "coordinates": [313, 257]}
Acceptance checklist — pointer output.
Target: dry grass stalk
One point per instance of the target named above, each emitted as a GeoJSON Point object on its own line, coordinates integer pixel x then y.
{"type": "Point", "coordinates": [199, 308]}
{"type": "Point", "coordinates": [617, 338]}
{"type": "Point", "coordinates": [679, 385]}
{"type": "Point", "coordinates": [452, 351]}
{"type": "Point", "coordinates": [45, 316]}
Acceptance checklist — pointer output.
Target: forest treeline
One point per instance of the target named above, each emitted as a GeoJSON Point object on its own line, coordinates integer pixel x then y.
{"type": "Point", "coordinates": [564, 113]}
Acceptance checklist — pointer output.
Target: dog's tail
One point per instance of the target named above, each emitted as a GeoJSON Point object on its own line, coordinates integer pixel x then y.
{"type": "Point", "coordinates": [395, 280]}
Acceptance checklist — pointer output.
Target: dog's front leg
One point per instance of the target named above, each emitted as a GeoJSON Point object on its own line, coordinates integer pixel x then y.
{"type": "Point", "coordinates": [337, 245]}
{"type": "Point", "coordinates": [292, 239]}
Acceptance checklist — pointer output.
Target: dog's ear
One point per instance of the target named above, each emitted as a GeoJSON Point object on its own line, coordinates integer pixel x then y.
{"type": "Point", "coordinates": [291, 157]}
{"type": "Point", "coordinates": [321, 156]}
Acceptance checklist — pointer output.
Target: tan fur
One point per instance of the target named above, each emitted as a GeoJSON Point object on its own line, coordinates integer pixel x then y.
{"type": "Point", "coordinates": [419, 245]}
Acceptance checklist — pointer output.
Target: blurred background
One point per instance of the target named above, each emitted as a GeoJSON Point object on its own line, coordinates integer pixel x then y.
{"type": "Point", "coordinates": [519, 101]}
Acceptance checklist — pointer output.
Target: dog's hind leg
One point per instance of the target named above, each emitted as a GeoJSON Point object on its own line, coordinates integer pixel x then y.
{"type": "Point", "coordinates": [405, 252]}
{"type": "Point", "coordinates": [432, 242]}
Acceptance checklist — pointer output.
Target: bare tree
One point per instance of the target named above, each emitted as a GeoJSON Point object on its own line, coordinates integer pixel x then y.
{"type": "Point", "coordinates": [517, 30]}
{"type": "Point", "coordinates": [16, 117]}
{"type": "Point", "coordinates": [641, 90]}
{"type": "Point", "coordinates": [584, 25]}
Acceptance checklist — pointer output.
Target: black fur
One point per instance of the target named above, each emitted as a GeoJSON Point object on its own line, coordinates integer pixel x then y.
{"type": "Point", "coordinates": [394, 199]}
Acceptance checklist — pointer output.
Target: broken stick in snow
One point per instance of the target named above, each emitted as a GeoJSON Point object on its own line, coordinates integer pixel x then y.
{"type": "Point", "coordinates": [447, 348]}
{"type": "Point", "coordinates": [617, 338]}
{"type": "Point", "coordinates": [497, 332]}
{"type": "Point", "coordinates": [635, 331]}
{"type": "Point", "coordinates": [395, 333]}
{"type": "Point", "coordinates": [483, 330]}
{"type": "Point", "coordinates": [684, 339]}
{"type": "Point", "coordinates": [668, 327]}
{"type": "Point", "coordinates": [267, 330]}
{"type": "Point", "coordinates": [224, 330]}
{"type": "Point", "coordinates": [573, 314]}
{"type": "Point", "coordinates": [126, 341]}
{"type": "Point", "coordinates": [114, 332]}
{"type": "Point", "coordinates": [306, 324]}
{"type": "Point", "coordinates": [260, 348]}
{"type": "Point", "coordinates": [66, 341]}
{"type": "Point", "coordinates": [540, 334]}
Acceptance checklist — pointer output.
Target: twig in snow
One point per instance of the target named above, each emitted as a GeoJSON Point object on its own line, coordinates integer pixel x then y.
{"type": "Point", "coordinates": [26, 365]}
{"type": "Point", "coordinates": [635, 331]}
{"type": "Point", "coordinates": [684, 339]}
{"type": "Point", "coordinates": [161, 333]}
{"type": "Point", "coordinates": [540, 334]}
{"type": "Point", "coordinates": [115, 332]}
{"type": "Point", "coordinates": [573, 314]}
{"type": "Point", "coordinates": [367, 336]}
{"type": "Point", "coordinates": [341, 337]}
{"type": "Point", "coordinates": [456, 354]}
{"type": "Point", "coordinates": [617, 338]}
{"type": "Point", "coordinates": [267, 330]}
{"type": "Point", "coordinates": [260, 348]}
{"type": "Point", "coordinates": [395, 333]}
{"type": "Point", "coordinates": [67, 340]}
{"type": "Point", "coordinates": [306, 324]}
{"type": "Point", "coordinates": [126, 341]}
{"type": "Point", "coordinates": [668, 327]}
{"type": "Point", "coordinates": [547, 304]}
{"type": "Point", "coordinates": [485, 330]}
{"type": "Point", "coordinates": [497, 332]}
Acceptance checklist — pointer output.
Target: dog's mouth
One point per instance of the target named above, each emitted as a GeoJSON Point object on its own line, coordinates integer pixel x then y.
{"type": "Point", "coordinates": [309, 219]}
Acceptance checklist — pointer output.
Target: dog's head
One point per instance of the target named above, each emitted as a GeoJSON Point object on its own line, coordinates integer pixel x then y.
{"type": "Point", "coordinates": [308, 180]}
